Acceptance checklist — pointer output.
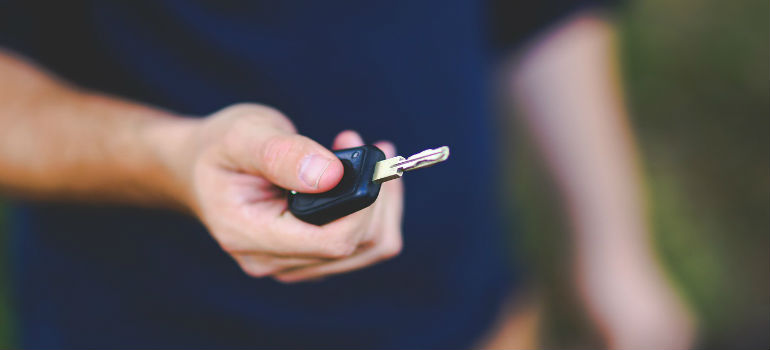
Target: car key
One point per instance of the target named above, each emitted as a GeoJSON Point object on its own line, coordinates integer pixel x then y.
{"type": "Point", "coordinates": [365, 169]}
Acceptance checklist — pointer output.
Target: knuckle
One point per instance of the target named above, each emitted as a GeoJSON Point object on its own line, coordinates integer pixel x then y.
{"type": "Point", "coordinates": [258, 271]}
{"type": "Point", "coordinates": [228, 244]}
{"type": "Point", "coordinates": [270, 115]}
{"type": "Point", "coordinates": [273, 115]}
{"type": "Point", "coordinates": [255, 112]}
{"type": "Point", "coordinates": [242, 108]}
{"type": "Point", "coordinates": [339, 250]}
{"type": "Point", "coordinates": [239, 110]}
{"type": "Point", "coordinates": [287, 280]}
{"type": "Point", "coordinates": [236, 242]}
{"type": "Point", "coordinates": [392, 248]}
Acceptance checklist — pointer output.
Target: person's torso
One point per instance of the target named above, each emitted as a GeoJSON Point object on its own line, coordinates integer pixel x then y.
{"type": "Point", "coordinates": [413, 72]}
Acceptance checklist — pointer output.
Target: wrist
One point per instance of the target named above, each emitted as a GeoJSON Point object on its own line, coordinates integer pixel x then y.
{"type": "Point", "coordinates": [173, 148]}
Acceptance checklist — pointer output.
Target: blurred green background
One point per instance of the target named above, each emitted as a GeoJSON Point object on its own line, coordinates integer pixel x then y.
{"type": "Point", "coordinates": [696, 76]}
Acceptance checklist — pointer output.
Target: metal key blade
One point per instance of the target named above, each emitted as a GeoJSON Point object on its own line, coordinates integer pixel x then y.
{"type": "Point", "coordinates": [393, 168]}
{"type": "Point", "coordinates": [424, 159]}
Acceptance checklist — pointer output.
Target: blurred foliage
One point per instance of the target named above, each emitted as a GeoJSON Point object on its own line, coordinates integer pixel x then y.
{"type": "Point", "coordinates": [696, 75]}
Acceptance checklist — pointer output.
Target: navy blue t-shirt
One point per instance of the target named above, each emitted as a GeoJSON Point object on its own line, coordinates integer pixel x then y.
{"type": "Point", "coordinates": [414, 72]}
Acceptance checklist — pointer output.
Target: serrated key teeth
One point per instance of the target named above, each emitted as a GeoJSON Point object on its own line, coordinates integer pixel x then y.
{"type": "Point", "coordinates": [444, 150]}
{"type": "Point", "coordinates": [425, 158]}
{"type": "Point", "coordinates": [393, 168]}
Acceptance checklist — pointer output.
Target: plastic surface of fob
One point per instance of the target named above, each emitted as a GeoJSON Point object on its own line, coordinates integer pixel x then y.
{"type": "Point", "coordinates": [355, 191]}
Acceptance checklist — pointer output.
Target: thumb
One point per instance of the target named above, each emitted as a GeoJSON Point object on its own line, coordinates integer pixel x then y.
{"type": "Point", "coordinates": [298, 163]}
{"type": "Point", "coordinates": [290, 161]}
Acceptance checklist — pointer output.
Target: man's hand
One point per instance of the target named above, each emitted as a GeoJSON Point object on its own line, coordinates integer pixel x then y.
{"type": "Point", "coordinates": [231, 169]}
{"type": "Point", "coordinates": [244, 158]}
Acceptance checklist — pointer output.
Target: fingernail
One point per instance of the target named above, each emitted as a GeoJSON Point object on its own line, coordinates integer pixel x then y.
{"type": "Point", "coordinates": [312, 168]}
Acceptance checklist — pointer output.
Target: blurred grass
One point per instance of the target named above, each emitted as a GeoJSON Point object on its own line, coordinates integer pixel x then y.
{"type": "Point", "coordinates": [697, 84]}
{"type": "Point", "coordinates": [696, 79]}
{"type": "Point", "coordinates": [698, 88]}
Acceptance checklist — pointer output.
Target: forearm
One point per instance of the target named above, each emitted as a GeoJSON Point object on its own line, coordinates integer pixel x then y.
{"type": "Point", "coordinates": [568, 90]}
{"type": "Point", "coordinates": [61, 142]}
{"type": "Point", "coordinates": [228, 169]}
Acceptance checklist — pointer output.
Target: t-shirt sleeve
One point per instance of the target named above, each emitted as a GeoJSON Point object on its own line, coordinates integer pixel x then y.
{"type": "Point", "coordinates": [514, 21]}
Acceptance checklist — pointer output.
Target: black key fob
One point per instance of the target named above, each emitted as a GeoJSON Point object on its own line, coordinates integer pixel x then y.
{"type": "Point", "coordinates": [355, 191]}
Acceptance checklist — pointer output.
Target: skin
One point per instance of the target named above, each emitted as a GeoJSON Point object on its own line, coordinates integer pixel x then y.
{"type": "Point", "coordinates": [60, 142]}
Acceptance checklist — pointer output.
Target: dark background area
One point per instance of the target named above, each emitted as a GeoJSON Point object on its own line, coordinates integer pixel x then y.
{"type": "Point", "coordinates": [696, 74]}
